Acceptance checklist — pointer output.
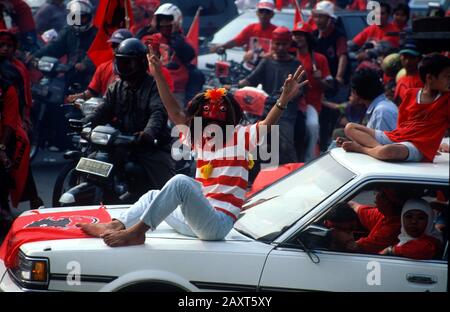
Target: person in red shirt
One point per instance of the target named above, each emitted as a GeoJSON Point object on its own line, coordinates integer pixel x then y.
{"type": "Point", "coordinates": [257, 36]}
{"type": "Point", "coordinates": [382, 222]}
{"type": "Point", "coordinates": [410, 58]}
{"type": "Point", "coordinates": [418, 239]}
{"type": "Point", "coordinates": [22, 84]}
{"type": "Point", "coordinates": [319, 76]}
{"type": "Point", "coordinates": [423, 119]}
{"type": "Point", "coordinates": [386, 31]}
{"type": "Point", "coordinates": [104, 74]}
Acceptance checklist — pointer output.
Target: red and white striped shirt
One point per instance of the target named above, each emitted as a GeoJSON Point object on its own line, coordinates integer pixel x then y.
{"type": "Point", "coordinates": [226, 186]}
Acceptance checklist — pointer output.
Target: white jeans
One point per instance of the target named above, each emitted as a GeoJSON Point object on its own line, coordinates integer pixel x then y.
{"type": "Point", "coordinates": [183, 206]}
{"type": "Point", "coordinates": [312, 132]}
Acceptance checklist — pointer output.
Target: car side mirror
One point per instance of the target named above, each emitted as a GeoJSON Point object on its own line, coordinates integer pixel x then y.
{"type": "Point", "coordinates": [316, 237]}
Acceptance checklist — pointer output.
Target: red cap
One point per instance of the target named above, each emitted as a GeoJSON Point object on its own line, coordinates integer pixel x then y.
{"type": "Point", "coordinates": [266, 4]}
{"type": "Point", "coordinates": [302, 27]}
{"type": "Point", "coordinates": [281, 33]}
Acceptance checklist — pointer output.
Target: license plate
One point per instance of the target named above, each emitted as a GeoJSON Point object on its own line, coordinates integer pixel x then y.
{"type": "Point", "coordinates": [96, 167]}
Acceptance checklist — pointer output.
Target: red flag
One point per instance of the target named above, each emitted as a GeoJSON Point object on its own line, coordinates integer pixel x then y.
{"type": "Point", "coordinates": [111, 15]}
{"type": "Point", "coordinates": [193, 33]}
{"type": "Point", "coordinates": [279, 4]}
{"type": "Point", "coordinates": [298, 18]}
{"type": "Point", "coordinates": [40, 226]}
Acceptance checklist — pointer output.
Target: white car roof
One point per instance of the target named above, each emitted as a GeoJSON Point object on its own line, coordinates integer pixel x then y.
{"type": "Point", "coordinates": [365, 165]}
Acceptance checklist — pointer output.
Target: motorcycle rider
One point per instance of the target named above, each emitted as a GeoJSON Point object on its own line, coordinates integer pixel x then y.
{"type": "Point", "coordinates": [133, 106]}
{"type": "Point", "coordinates": [105, 74]}
{"type": "Point", "coordinates": [176, 53]}
{"type": "Point", "coordinates": [74, 42]}
{"type": "Point", "coordinates": [22, 18]}
{"type": "Point", "coordinates": [15, 72]}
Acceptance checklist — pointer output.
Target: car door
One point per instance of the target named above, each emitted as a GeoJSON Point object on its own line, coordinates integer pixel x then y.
{"type": "Point", "coordinates": [294, 269]}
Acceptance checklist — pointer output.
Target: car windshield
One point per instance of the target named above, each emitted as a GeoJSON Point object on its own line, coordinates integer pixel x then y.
{"type": "Point", "coordinates": [282, 204]}
{"type": "Point", "coordinates": [233, 28]}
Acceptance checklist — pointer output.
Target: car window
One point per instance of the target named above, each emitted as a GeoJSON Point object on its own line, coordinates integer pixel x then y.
{"type": "Point", "coordinates": [233, 28]}
{"type": "Point", "coordinates": [279, 206]}
{"type": "Point", "coordinates": [343, 228]}
{"type": "Point", "coordinates": [353, 25]}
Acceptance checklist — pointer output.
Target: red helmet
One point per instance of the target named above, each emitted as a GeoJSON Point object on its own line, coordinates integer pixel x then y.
{"type": "Point", "coordinates": [282, 34]}
{"type": "Point", "coordinates": [302, 27]}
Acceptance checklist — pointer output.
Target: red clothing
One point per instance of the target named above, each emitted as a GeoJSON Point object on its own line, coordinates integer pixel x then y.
{"type": "Point", "coordinates": [383, 230]}
{"type": "Point", "coordinates": [9, 116]}
{"type": "Point", "coordinates": [27, 86]}
{"type": "Point", "coordinates": [378, 33]}
{"type": "Point", "coordinates": [423, 125]}
{"type": "Point", "coordinates": [104, 76]}
{"type": "Point", "coordinates": [254, 32]}
{"type": "Point", "coordinates": [23, 17]}
{"type": "Point", "coordinates": [314, 92]}
{"type": "Point", "coordinates": [405, 83]}
{"type": "Point", "coordinates": [179, 76]}
{"type": "Point", "coordinates": [422, 248]}
{"type": "Point", "coordinates": [358, 5]}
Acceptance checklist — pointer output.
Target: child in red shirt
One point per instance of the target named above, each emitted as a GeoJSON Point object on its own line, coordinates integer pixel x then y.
{"type": "Point", "coordinates": [418, 238]}
{"type": "Point", "coordinates": [410, 58]}
{"type": "Point", "coordinates": [423, 119]}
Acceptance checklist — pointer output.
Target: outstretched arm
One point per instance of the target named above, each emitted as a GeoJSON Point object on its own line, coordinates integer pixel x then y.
{"type": "Point", "coordinates": [291, 87]}
{"type": "Point", "coordinates": [175, 111]}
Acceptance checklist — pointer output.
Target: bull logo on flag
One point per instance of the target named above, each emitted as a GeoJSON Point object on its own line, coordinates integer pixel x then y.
{"type": "Point", "coordinates": [63, 223]}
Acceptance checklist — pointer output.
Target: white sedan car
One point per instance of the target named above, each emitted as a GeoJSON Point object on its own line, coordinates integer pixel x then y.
{"type": "Point", "coordinates": [278, 243]}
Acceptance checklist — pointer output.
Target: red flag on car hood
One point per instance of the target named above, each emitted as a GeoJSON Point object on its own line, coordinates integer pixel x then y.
{"type": "Point", "coordinates": [110, 16]}
{"type": "Point", "coordinates": [40, 226]}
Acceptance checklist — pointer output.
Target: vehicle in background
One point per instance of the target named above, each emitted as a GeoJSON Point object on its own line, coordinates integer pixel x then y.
{"type": "Point", "coordinates": [214, 14]}
{"type": "Point", "coordinates": [351, 22]}
{"type": "Point", "coordinates": [421, 8]}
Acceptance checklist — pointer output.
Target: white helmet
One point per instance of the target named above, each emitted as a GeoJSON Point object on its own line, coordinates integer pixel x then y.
{"type": "Point", "coordinates": [78, 8]}
{"type": "Point", "coordinates": [170, 10]}
{"type": "Point", "coordinates": [325, 8]}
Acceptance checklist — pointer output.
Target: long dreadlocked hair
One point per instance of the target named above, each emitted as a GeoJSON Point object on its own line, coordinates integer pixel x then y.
{"type": "Point", "coordinates": [195, 107]}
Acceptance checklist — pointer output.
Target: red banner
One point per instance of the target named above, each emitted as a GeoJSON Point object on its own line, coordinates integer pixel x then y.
{"type": "Point", "coordinates": [111, 15]}
{"type": "Point", "coordinates": [41, 226]}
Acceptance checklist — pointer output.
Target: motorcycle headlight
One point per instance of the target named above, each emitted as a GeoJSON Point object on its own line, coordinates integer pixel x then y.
{"type": "Point", "coordinates": [100, 138]}
{"type": "Point", "coordinates": [31, 272]}
{"type": "Point", "coordinates": [45, 66]}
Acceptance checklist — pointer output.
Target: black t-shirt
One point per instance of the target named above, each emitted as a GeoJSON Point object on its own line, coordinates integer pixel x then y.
{"type": "Point", "coordinates": [272, 74]}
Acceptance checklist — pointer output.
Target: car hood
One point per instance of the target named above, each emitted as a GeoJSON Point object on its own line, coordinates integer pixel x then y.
{"type": "Point", "coordinates": [163, 232]}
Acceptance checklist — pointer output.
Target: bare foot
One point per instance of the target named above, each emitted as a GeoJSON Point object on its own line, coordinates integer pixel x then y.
{"type": "Point", "coordinates": [340, 141]}
{"type": "Point", "coordinates": [123, 238]}
{"type": "Point", "coordinates": [352, 146]}
{"type": "Point", "coordinates": [99, 228]}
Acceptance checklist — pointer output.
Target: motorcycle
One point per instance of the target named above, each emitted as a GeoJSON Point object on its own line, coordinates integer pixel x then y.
{"type": "Point", "coordinates": [48, 95]}
{"type": "Point", "coordinates": [105, 171]}
{"type": "Point", "coordinates": [224, 72]}
{"type": "Point", "coordinates": [67, 177]}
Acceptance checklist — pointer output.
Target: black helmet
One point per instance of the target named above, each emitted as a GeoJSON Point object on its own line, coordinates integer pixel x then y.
{"type": "Point", "coordinates": [131, 59]}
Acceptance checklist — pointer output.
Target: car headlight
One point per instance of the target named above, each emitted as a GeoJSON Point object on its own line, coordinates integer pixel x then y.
{"type": "Point", "coordinates": [45, 66]}
{"type": "Point", "coordinates": [31, 272]}
{"type": "Point", "coordinates": [100, 138]}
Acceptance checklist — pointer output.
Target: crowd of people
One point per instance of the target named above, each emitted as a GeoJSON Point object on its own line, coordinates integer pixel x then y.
{"type": "Point", "coordinates": [390, 101]}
